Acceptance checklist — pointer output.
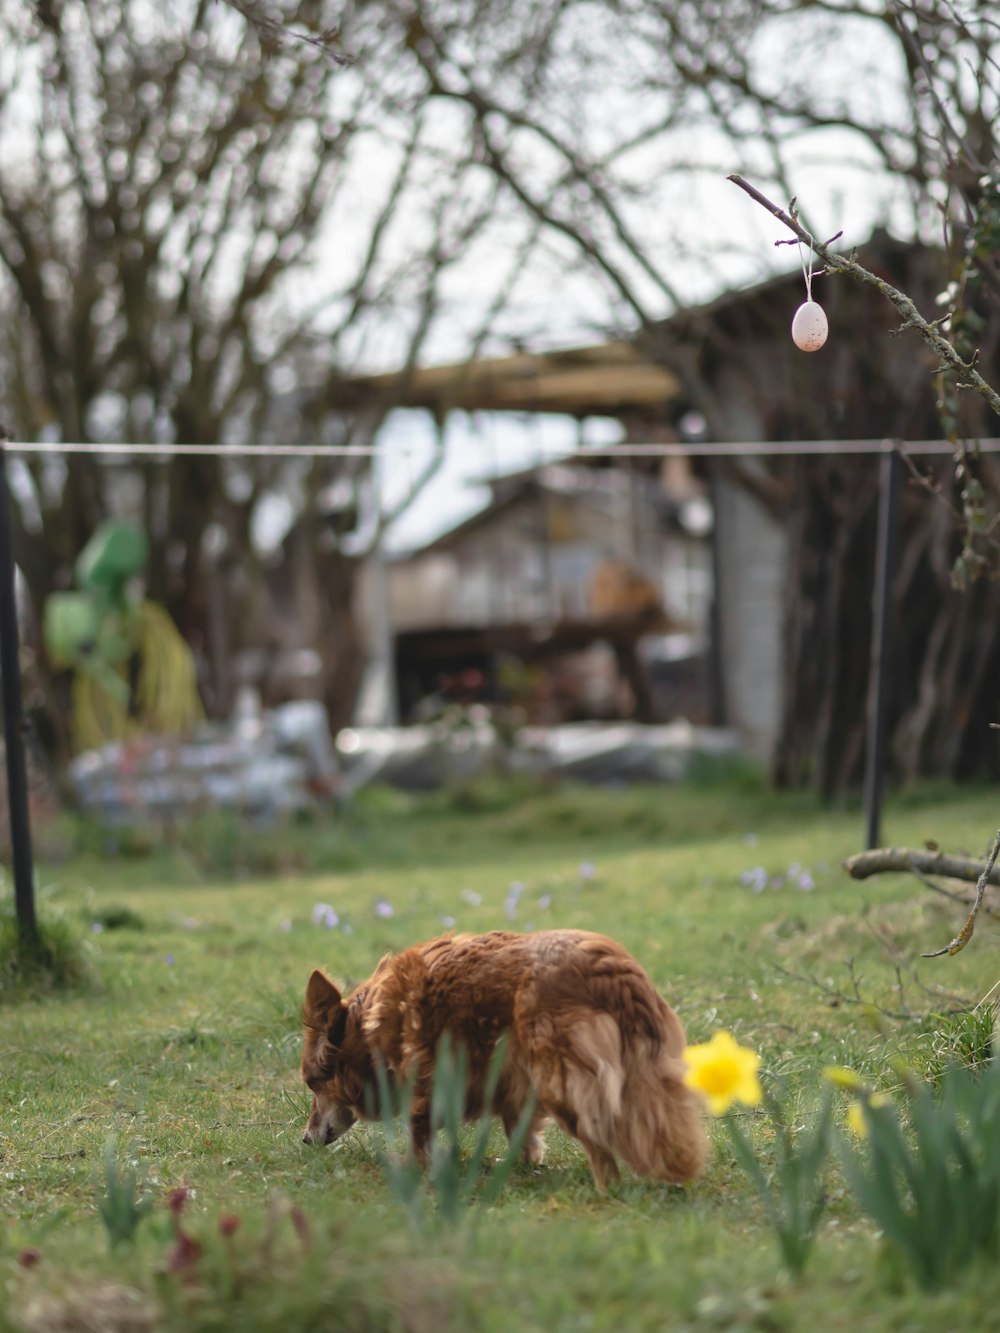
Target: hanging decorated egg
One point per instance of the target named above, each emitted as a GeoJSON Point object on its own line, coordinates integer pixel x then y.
{"type": "Point", "coordinates": [809, 327]}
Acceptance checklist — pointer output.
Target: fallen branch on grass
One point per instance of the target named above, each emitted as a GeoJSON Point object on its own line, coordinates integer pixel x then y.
{"type": "Point", "coordinates": [919, 861]}
{"type": "Point", "coordinates": [923, 863]}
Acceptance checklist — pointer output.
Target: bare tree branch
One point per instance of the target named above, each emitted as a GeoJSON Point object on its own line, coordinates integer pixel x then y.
{"type": "Point", "coordinates": [276, 34]}
{"type": "Point", "coordinates": [965, 934]}
{"type": "Point", "coordinates": [912, 317]}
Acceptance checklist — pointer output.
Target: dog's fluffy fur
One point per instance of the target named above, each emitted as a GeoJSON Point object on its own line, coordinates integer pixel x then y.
{"type": "Point", "coordinates": [588, 1037]}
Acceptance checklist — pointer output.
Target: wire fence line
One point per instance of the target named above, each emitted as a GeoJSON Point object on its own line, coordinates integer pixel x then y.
{"type": "Point", "coordinates": [688, 449]}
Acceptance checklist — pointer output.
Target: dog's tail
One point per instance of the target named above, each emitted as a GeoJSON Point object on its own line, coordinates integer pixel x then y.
{"type": "Point", "coordinates": [621, 1073]}
{"type": "Point", "coordinates": [624, 1094]}
{"type": "Point", "coordinates": [660, 1132]}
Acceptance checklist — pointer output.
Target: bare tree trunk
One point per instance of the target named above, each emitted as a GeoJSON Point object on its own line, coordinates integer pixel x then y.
{"type": "Point", "coordinates": [341, 643]}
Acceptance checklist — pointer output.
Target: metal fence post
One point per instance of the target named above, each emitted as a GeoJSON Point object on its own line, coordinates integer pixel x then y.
{"type": "Point", "coordinates": [14, 723]}
{"type": "Point", "coordinates": [878, 683]}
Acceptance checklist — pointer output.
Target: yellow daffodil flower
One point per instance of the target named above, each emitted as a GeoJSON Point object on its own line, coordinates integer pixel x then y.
{"type": "Point", "coordinates": [723, 1072]}
{"type": "Point", "coordinates": [846, 1079]}
{"type": "Point", "coordinates": [856, 1121]}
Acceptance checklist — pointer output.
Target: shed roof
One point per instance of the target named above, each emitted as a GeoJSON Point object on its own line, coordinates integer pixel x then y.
{"type": "Point", "coordinates": [611, 379]}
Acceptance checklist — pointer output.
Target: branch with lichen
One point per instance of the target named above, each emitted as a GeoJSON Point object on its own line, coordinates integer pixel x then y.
{"type": "Point", "coordinates": [969, 376]}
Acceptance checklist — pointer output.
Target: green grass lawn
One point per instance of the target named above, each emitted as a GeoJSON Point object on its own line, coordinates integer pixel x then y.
{"type": "Point", "coordinates": [186, 1051]}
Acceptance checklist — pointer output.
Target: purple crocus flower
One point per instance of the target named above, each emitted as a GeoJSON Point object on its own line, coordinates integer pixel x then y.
{"type": "Point", "coordinates": [325, 915]}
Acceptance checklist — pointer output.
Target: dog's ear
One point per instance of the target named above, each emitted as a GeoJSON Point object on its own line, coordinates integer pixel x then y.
{"type": "Point", "coordinates": [322, 1001]}
{"type": "Point", "coordinates": [383, 964]}
{"type": "Point", "coordinates": [337, 1027]}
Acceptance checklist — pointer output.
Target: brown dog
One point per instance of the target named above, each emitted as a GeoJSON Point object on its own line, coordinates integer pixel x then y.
{"type": "Point", "coordinates": [588, 1037]}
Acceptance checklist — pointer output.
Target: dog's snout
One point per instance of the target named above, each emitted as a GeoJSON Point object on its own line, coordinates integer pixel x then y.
{"type": "Point", "coordinates": [320, 1138]}
{"type": "Point", "coordinates": [316, 1132]}
{"type": "Point", "coordinates": [319, 1133]}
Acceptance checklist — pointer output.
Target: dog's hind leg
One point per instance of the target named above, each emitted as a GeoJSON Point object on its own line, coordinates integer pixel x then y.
{"type": "Point", "coordinates": [534, 1142]}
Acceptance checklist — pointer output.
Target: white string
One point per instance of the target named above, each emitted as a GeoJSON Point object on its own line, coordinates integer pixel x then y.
{"type": "Point", "coordinates": [807, 273]}
{"type": "Point", "coordinates": [705, 449]}
{"type": "Point", "coordinates": [167, 451]}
